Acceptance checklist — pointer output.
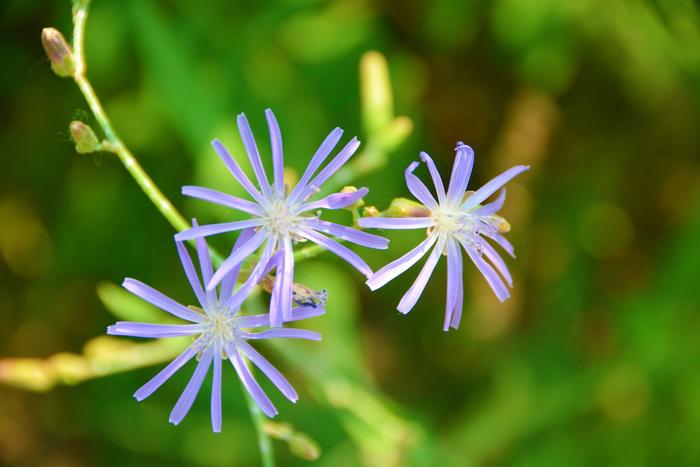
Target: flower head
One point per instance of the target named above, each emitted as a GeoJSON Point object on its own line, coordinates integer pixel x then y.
{"type": "Point", "coordinates": [280, 218]}
{"type": "Point", "coordinates": [455, 219]}
{"type": "Point", "coordinates": [219, 332]}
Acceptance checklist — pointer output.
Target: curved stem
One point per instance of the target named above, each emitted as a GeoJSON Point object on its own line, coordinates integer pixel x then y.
{"type": "Point", "coordinates": [161, 202]}
{"type": "Point", "coordinates": [115, 145]}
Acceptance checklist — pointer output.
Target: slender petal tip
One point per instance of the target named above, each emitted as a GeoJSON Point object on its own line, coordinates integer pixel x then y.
{"type": "Point", "coordinates": [182, 236]}
{"type": "Point", "coordinates": [218, 145]}
{"type": "Point", "coordinates": [463, 147]}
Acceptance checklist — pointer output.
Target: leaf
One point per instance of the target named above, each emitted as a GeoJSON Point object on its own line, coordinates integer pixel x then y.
{"type": "Point", "coordinates": [126, 306]}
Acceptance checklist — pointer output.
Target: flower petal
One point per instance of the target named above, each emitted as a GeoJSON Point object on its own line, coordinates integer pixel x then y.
{"type": "Point", "coordinates": [236, 171]}
{"type": "Point", "coordinates": [491, 276]}
{"type": "Point", "coordinates": [283, 333]}
{"type": "Point", "coordinates": [491, 187]}
{"type": "Point", "coordinates": [401, 223]}
{"type": "Point", "coordinates": [277, 153]}
{"type": "Point", "coordinates": [501, 240]}
{"type": "Point", "coordinates": [263, 319]}
{"type": "Point", "coordinates": [184, 403]}
{"type": "Point", "coordinates": [216, 392]}
{"type": "Point", "coordinates": [133, 329]}
{"type": "Point", "coordinates": [285, 297]}
{"type": "Point", "coordinates": [396, 267]}
{"type": "Point", "coordinates": [493, 207]}
{"type": "Point", "coordinates": [408, 301]}
{"type": "Point", "coordinates": [281, 300]}
{"type": "Point", "coordinates": [355, 236]}
{"type": "Point", "coordinates": [435, 175]}
{"type": "Point", "coordinates": [237, 257]}
{"type": "Point", "coordinates": [455, 286]}
{"type": "Point", "coordinates": [495, 259]}
{"type": "Point", "coordinates": [338, 161]}
{"type": "Point", "coordinates": [318, 158]}
{"type": "Point", "coordinates": [418, 188]}
{"type": "Point", "coordinates": [205, 266]}
{"type": "Point", "coordinates": [213, 229]}
{"type": "Point", "coordinates": [338, 249]}
{"type": "Point", "coordinates": [252, 386]}
{"type": "Point", "coordinates": [261, 268]}
{"type": "Point", "coordinates": [190, 272]}
{"type": "Point", "coordinates": [229, 282]}
{"type": "Point", "coordinates": [461, 171]}
{"type": "Point", "coordinates": [269, 370]}
{"type": "Point", "coordinates": [156, 298]}
{"type": "Point", "coordinates": [335, 201]}
{"type": "Point", "coordinates": [224, 199]}
{"type": "Point", "coordinates": [164, 374]}
{"type": "Point", "coordinates": [252, 149]}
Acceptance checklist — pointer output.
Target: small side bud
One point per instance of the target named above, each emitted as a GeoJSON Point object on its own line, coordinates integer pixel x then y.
{"type": "Point", "coordinates": [467, 194]}
{"type": "Point", "coordinates": [84, 138]}
{"type": "Point", "coordinates": [304, 447]}
{"type": "Point", "coordinates": [357, 204]}
{"type": "Point", "coordinates": [300, 444]}
{"type": "Point", "coordinates": [370, 211]}
{"type": "Point", "coordinates": [58, 51]}
{"type": "Point", "coordinates": [502, 224]}
{"type": "Point", "coordinates": [403, 207]}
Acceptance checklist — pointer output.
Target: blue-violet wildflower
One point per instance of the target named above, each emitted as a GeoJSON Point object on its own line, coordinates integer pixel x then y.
{"type": "Point", "coordinates": [219, 331]}
{"type": "Point", "coordinates": [455, 218]}
{"type": "Point", "coordinates": [282, 218]}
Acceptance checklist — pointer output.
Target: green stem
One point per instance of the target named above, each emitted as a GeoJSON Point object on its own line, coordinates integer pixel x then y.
{"type": "Point", "coordinates": [116, 146]}
{"type": "Point", "coordinates": [161, 202]}
{"type": "Point", "coordinates": [267, 454]}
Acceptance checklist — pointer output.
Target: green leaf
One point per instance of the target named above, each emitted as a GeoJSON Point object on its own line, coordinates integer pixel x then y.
{"type": "Point", "coordinates": [126, 306]}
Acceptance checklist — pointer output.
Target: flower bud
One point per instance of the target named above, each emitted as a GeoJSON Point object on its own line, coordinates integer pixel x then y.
{"type": "Point", "coordinates": [300, 444]}
{"type": "Point", "coordinates": [84, 138]}
{"type": "Point", "coordinates": [404, 207]}
{"type": "Point", "coordinates": [501, 224]}
{"type": "Point", "coordinates": [58, 51]}
{"type": "Point", "coordinates": [370, 211]}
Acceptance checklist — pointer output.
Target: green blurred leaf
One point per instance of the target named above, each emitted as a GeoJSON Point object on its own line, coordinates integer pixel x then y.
{"type": "Point", "coordinates": [126, 306]}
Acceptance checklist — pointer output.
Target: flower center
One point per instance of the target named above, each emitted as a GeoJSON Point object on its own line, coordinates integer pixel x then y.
{"type": "Point", "coordinates": [465, 224]}
{"type": "Point", "coordinates": [220, 328]}
{"type": "Point", "coordinates": [281, 219]}
{"type": "Point", "coordinates": [450, 222]}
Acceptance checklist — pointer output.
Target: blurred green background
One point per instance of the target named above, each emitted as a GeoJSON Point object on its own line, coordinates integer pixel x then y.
{"type": "Point", "coordinates": [595, 359]}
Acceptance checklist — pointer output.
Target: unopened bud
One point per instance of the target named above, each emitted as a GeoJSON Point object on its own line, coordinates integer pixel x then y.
{"type": "Point", "coordinates": [357, 204]}
{"type": "Point", "coordinates": [404, 207]}
{"type": "Point", "coordinates": [58, 51]}
{"type": "Point", "coordinates": [502, 224]}
{"type": "Point", "coordinates": [84, 138]}
{"type": "Point", "coordinates": [304, 447]}
{"type": "Point", "coordinates": [370, 211]}
{"type": "Point", "coordinates": [300, 444]}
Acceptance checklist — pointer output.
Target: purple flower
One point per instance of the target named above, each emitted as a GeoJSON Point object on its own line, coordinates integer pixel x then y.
{"type": "Point", "coordinates": [453, 220]}
{"type": "Point", "coordinates": [280, 218]}
{"type": "Point", "coordinates": [219, 331]}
